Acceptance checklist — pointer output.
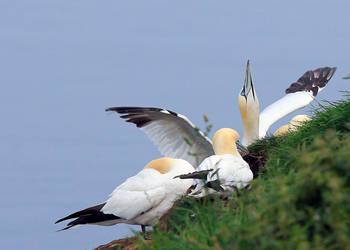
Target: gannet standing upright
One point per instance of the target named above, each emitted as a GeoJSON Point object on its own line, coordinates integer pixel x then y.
{"type": "Point", "coordinates": [141, 199]}
{"type": "Point", "coordinates": [225, 171]}
{"type": "Point", "coordinates": [298, 95]}
{"type": "Point", "coordinates": [248, 104]}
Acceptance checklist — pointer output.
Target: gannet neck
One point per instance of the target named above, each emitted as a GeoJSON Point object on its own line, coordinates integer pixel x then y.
{"type": "Point", "coordinates": [281, 108]}
{"type": "Point", "coordinates": [248, 103]}
{"type": "Point", "coordinates": [224, 141]}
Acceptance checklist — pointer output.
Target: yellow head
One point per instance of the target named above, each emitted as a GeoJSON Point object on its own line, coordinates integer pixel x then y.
{"type": "Point", "coordinates": [162, 165]}
{"type": "Point", "coordinates": [249, 107]}
{"type": "Point", "coordinates": [298, 120]}
{"type": "Point", "coordinates": [282, 130]}
{"type": "Point", "coordinates": [224, 141]}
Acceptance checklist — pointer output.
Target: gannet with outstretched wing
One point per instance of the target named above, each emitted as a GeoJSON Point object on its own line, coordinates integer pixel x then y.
{"type": "Point", "coordinates": [141, 199]}
{"type": "Point", "coordinates": [298, 95]}
{"type": "Point", "coordinates": [225, 171]}
{"type": "Point", "coordinates": [174, 134]}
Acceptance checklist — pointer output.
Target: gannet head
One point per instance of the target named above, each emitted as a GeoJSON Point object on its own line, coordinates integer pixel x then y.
{"type": "Point", "coordinates": [249, 107]}
{"type": "Point", "coordinates": [298, 120]}
{"type": "Point", "coordinates": [282, 130]}
{"type": "Point", "coordinates": [171, 166]}
{"type": "Point", "coordinates": [248, 88]}
{"type": "Point", "coordinates": [224, 141]}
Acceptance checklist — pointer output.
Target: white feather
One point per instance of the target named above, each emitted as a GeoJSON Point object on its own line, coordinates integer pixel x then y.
{"type": "Point", "coordinates": [231, 171]}
{"type": "Point", "coordinates": [284, 106]}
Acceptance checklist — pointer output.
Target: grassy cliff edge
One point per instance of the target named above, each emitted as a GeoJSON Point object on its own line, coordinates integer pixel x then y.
{"type": "Point", "coordinates": [300, 200]}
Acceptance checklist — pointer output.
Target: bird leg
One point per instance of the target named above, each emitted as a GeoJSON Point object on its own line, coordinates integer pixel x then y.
{"type": "Point", "coordinates": [143, 228]}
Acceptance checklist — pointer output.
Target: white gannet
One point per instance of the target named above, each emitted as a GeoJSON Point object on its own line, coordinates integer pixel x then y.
{"type": "Point", "coordinates": [141, 199]}
{"type": "Point", "coordinates": [223, 172]}
{"type": "Point", "coordinates": [248, 104]}
{"type": "Point", "coordinates": [294, 123]}
{"type": "Point", "coordinates": [177, 137]}
{"type": "Point", "coordinates": [298, 95]}
{"type": "Point", "coordinates": [174, 134]}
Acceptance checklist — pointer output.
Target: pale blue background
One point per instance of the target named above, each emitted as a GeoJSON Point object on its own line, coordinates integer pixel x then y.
{"type": "Point", "coordinates": [63, 62]}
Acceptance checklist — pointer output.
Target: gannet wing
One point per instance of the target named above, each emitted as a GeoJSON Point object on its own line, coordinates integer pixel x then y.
{"type": "Point", "coordinates": [144, 191]}
{"type": "Point", "coordinates": [298, 95]}
{"type": "Point", "coordinates": [174, 134]}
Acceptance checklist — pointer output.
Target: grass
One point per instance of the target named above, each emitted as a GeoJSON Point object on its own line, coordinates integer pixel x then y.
{"type": "Point", "coordinates": [300, 200]}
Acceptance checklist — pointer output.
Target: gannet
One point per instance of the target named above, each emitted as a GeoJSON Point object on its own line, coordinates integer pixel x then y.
{"type": "Point", "coordinates": [141, 199]}
{"type": "Point", "coordinates": [298, 95]}
{"type": "Point", "coordinates": [294, 123]}
{"type": "Point", "coordinates": [248, 104]}
{"type": "Point", "coordinates": [174, 134]}
{"type": "Point", "coordinates": [225, 171]}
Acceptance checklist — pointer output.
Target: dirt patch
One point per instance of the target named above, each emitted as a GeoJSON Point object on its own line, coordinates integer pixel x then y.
{"type": "Point", "coordinates": [126, 244]}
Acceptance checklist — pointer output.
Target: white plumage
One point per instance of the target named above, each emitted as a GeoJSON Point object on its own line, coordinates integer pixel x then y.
{"type": "Point", "coordinates": [174, 134]}
{"type": "Point", "coordinates": [141, 199]}
{"type": "Point", "coordinates": [298, 95]}
{"type": "Point", "coordinates": [223, 172]}
{"type": "Point", "coordinates": [228, 171]}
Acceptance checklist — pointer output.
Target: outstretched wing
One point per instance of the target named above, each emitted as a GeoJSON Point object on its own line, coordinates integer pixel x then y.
{"type": "Point", "coordinates": [298, 95]}
{"type": "Point", "coordinates": [312, 81]}
{"type": "Point", "coordinates": [174, 135]}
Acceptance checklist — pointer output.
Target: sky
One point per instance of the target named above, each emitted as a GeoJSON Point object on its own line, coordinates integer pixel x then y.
{"type": "Point", "coordinates": [63, 62]}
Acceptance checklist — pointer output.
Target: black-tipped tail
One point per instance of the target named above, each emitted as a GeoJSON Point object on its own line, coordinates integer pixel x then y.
{"type": "Point", "coordinates": [89, 215]}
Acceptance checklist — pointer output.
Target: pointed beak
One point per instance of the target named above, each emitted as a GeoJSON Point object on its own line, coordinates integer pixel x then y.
{"type": "Point", "coordinates": [248, 83]}
{"type": "Point", "coordinates": [242, 150]}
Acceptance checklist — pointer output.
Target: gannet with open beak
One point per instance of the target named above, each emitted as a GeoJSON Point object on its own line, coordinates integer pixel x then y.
{"type": "Point", "coordinates": [225, 171]}
{"type": "Point", "coordinates": [141, 199]}
{"type": "Point", "coordinates": [293, 125]}
{"type": "Point", "coordinates": [298, 95]}
{"type": "Point", "coordinates": [174, 134]}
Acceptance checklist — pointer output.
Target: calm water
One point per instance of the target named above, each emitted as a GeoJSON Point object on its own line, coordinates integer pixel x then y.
{"type": "Point", "coordinates": [63, 63]}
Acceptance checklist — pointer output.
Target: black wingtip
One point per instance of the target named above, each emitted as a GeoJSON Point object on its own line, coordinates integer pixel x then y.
{"type": "Point", "coordinates": [86, 211]}
{"type": "Point", "coordinates": [63, 219]}
{"type": "Point", "coordinates": [112, 109]}
{"type": "Point", "coordinates": [195, 175]}
{"type": "Point", "coordinates": [312, 80]}
{"type": "Point", "coordinates": [63, 229]}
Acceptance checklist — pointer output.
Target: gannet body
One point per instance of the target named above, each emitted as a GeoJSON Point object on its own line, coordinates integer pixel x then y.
{"type": "Point", "coordinates": [223, 172]}
{"type": "Point", "coordinates": [141, 199]}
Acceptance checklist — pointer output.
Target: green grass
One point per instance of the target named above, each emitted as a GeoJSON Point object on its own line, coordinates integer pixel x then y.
{"type": "Point", "coordinates": [300, 200]}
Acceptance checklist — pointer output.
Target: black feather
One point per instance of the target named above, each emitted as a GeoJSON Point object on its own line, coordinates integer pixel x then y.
{"type": "Point", "coordinates": [312, 80]}
{"type": "Point", "coordinates": [195, 175]}
{"type": "Point", "coordinates": [88, 215]}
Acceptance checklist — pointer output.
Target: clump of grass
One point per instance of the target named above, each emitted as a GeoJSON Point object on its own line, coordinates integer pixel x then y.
{"type": "Point", "coordinates": [300, 200]}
